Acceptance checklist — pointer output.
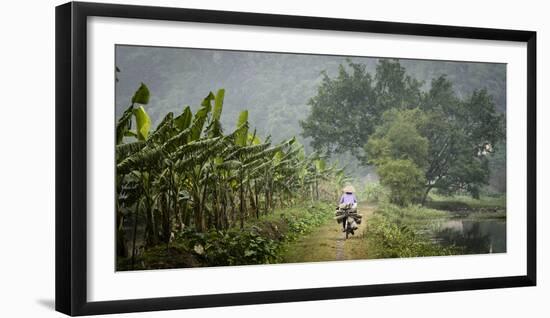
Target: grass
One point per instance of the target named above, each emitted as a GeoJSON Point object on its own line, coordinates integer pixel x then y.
{"type": "Point", "coordinates": [398, 232]}
{"type": "Point", "coordinates": [487, 207]}
{"type": "Point", "coordinates": [460, 202]}
{"type": "Point", "coordinates": [413, 215]}
{"type": "Point", "coordinates": [406, 231]}
{"type": "Point", "coordinates": [317, 247]}
{"type": "Point", "coordinates": [327, 243]}
{"type": "Point", "coordinates": [356, 247]}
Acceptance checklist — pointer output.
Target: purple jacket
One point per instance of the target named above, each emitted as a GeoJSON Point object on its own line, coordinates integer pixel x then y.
{"type": "Point", "coordinates": [348, 198]}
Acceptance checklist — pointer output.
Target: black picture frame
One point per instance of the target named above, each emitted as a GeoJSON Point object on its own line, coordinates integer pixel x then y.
{"type": "Point", "coordinates": [71, 157]}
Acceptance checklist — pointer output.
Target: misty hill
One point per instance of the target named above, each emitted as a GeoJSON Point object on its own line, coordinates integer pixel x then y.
{"type": "Point", "coordinates": [274, 87]}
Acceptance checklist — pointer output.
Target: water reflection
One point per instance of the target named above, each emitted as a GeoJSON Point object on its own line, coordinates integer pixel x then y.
{"type": "Point", "coordinates": [475, 236]}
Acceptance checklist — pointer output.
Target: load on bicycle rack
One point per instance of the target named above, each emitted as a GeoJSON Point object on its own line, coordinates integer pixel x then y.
{"type": "Point", "coordinates": [346, 213]}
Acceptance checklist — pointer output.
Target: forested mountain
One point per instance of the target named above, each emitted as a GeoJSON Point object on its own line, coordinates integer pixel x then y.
{"type": "Point", "coordinates": [275, 88]}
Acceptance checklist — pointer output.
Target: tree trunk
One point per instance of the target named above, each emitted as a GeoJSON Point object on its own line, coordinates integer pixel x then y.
{"type": "Point", "coordinates": [121, 250]}
{"type": "Point", "coordinates": [217, 209]}
{"type": "Point", "coordinates": [267, 202]}
{"type": "Point", "coordinates": [186, 215]}
{"type": "Point", "coordinates": [225, 218]}
{"type": "Point", "coordinates": [425, 196]}
{"type": "Point", "coordinates": [316, 189]}
{"type": "Point", "coordinates": [203, 205]}
{"type": "Point", "coordinates": [135, 234]}
{"type": "Point", "coordinates": [241, 196]}
{"type": "Point", "coordinates": [256, 198]}
{"type": "Point", "coordinates": [151, 224]}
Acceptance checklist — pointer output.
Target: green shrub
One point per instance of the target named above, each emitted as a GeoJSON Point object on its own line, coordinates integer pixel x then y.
{"type": "Point", "coordinates": [301, 224]}
{"type": "Point", "coordinates": [390, 240]}
{"type": "Point", "coordinates": [260, 242]}
{"type": "Point", "coordinates": [231, 247]}
{"type": "Point", "coordinates": [374, 192]}
{"type": "Point", "coordinates": [395, 231]}
{"type": "Point", "coordinates": [404, 180]}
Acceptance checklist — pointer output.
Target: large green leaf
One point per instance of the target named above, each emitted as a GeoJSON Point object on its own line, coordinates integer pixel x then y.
{"type": "Point", "coordinates": [146, 156]}
{"type": "Point", "coordinates": [215, 127]}
{"type": "Point", "coordinates": [177, 140]}
{"type": "Point", "coordinates": [143, 123]}
{"type": "Point", "coordinates": [245, 151]}
{"type": "Point", "coordinates": [130, 133]}
{"type": "Point", "coordinates": [184, 120]}
{"type": "Point", "coordinates": [253, 139]}
{"type": "Point", "coordinates": [125, 150]}
{"type": "Point", "coordinates": [218, 105]}
{"type": "Point", "coordinates": [207, 101]}
{"type": "Point", "coordinates": [266, 153]}
{"type": "Point", "coordinates": [320, 165]}
{"type": "Point", "coordinates": [198, 122]}
{"type": "Point", "coordinates": [229, 165]}
{"type": "Point", "coordinates": [124, 124]}
{"type": "Point", "coordinates": [242, 135]}
{"type": "Point", "coordinates": [141, 96]}
{"type": "Point", "coordinates": [162, 129]}
{"type": "Point", "coordinates": [278, 157]}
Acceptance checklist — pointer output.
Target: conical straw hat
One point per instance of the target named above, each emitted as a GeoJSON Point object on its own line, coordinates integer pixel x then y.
{"type": "Point", "coordinates": [349, 188]}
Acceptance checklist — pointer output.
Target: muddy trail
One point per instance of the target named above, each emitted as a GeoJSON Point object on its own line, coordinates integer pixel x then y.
{"type": "Point", "coordinates": [328, 242]}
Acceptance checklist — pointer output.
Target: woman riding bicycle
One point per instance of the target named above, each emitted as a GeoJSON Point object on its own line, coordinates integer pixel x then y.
{"type": "Point", "coordinates": [348, 197]}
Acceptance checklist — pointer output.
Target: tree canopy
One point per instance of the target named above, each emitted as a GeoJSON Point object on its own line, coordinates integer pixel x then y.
{"type": "Point", "coordinates": [388, 121]}
{"type": "Point", "coordinates": [346, 109]}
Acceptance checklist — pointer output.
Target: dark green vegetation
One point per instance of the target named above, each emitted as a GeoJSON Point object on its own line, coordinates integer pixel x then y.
{"type": "Point", "coordinates": [262, 241]}
{"type": "Point", "coordinates": [448, 226]}
{"type": "Point", "coordinates": [189, 186]}
{"type": "Point", "coordinates": [396, 232]}
{"type": "Point", "coordinates": [418, 140]}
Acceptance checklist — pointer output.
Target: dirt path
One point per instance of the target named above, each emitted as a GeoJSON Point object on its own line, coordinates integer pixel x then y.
{"type": "Point", "coordinates": [328, 242]}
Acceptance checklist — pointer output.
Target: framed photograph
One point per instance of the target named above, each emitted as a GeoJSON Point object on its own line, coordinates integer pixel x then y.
{"type": "Point", "coordinates": [209, 158]}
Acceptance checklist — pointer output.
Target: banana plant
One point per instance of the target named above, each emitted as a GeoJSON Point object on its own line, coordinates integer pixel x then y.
{"type": "Point", "coordinates": [190, 172]}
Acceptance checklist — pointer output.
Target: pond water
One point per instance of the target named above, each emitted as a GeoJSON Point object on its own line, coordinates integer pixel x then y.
{"type": "Point", "coordinates": [475, 236]}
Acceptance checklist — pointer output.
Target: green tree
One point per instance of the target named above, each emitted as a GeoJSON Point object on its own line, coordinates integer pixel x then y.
{"type": "Point", "coordinates": [398, 137]}
{"type": "Point", "coordinates": [404, 179]}
{"type": "Point", "coordinates": [347, 108]}
{"type": "Point", "coordinates": [449, 138]}
{"type": "Point", "coordinates": [462, 134]}
{"type": "Point", "coordinates": [396, 146]}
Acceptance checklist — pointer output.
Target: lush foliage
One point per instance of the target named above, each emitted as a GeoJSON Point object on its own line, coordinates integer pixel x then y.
{"type": "Point", "coordinates": [492, 207]}
{"type": "Point", "coordinates": [346, 109]}
{"type": "Point", "coordinates": [261, 242]}
{"type": "Point", "coordinates": [387, 240]}
{"type": "Point", "coordinates": [404, 180]}
{"type": "Point", "coordinates": [400, 232]}
{"type": "Point", "coordinates": [400, 153]}
{"type": "Point", "coordinates": [373, 192]}
{"type": "Point", "coordinates": [189, 176]}
{"type": "Point", "coordinates": [302, 221]}
{"type": "Point", "coordinates": [447, 139]}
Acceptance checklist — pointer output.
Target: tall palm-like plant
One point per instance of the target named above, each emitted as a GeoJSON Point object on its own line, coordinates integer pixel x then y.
{"type": "Point", "coordinates": [188, 172]}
